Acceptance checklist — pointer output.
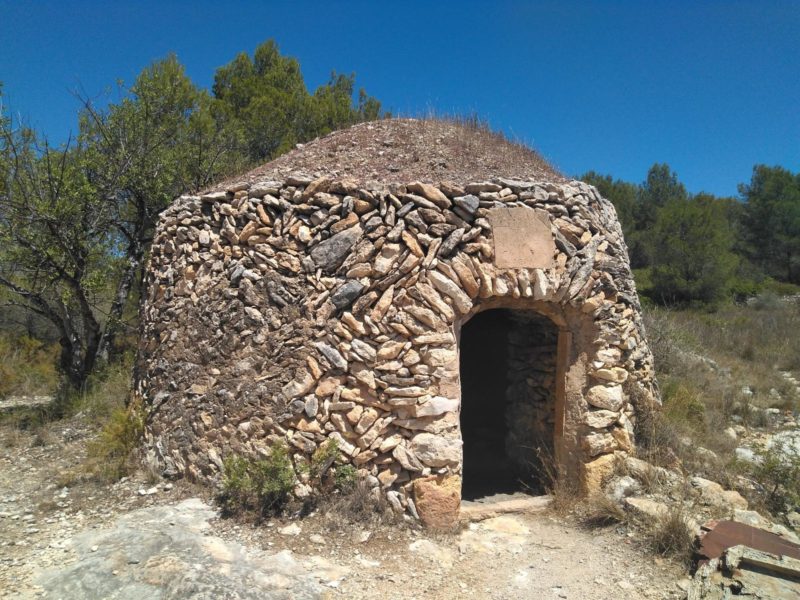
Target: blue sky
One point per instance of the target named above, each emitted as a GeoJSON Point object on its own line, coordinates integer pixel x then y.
{"type": "Point", "coordinates": [711, 88]}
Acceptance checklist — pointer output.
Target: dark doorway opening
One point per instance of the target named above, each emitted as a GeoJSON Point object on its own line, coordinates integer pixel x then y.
{"type": "Point", "coordinates": [508, 374]}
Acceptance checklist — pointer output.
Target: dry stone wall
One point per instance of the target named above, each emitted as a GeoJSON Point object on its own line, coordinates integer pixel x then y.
{"type": "Point", "coordinates": [303, 311]}
{"type": "Point", "coordinates": [531, 416]}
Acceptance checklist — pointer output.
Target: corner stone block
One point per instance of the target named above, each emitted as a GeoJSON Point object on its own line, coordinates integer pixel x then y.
{"type": "Point", "coordinates": [438, 500]}
{"type": "Point", "coordinates": [594, 474]}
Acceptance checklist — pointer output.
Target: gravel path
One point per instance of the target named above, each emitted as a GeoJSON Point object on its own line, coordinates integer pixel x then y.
{"type": "Point", "coordinates": [143, 539]}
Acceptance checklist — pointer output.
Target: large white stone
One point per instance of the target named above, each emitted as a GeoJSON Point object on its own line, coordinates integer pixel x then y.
{"type": "Point", "coordinates": [438, 405]}
{"type": "Point", "coordinates": [436, 450]}
{"type": "Point", "coordinates": [609, 397]}
{"type": "Point", "coordinates": [600, 419]}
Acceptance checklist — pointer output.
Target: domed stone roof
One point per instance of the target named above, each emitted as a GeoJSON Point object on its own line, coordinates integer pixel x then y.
{"type": "Point", "coordinates": [403, 150]}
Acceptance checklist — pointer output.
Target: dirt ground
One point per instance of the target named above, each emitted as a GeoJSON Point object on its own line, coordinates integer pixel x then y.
{"type": "Point", "coordinates": [523, 556]}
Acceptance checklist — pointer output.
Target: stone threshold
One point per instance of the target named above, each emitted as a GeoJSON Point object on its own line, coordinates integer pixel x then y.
{"type": "Point", "coordinates": [494, 506]}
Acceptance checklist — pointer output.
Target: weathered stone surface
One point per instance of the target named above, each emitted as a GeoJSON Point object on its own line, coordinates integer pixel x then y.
{"type": "Point", "coordinates": [438, 405]}
{"type": "Point", "coordinates": [346, 294]}
{"type": "Point", "coordinates": [302, 384]}
{"type": "Point", "coordinates": [430, 192]}
{"type": "Point", "coordinates": [435, 450]}
{"type": "Point", "coordinates": [647, 508]}
{"type": "Point", "coordinates": [714, 494]}
{"type": "Point", "coordinates": [597, 472]}
{"type": "Point", "coordinates": [328, 255]}
{"type": "Point", "coordinates": [614, 374]}
{"type": "Point", "coordinates": [599, 443]}
{"type": "Point", "coordinates": [437, 500]}
{"type": "Point", "coordinates": [332, 354]}
{"type": "Point", "coordinates": [467, 203]}
{"type": "Point", "coordinates": [447, 286]}
{"type": "Point", "coordinates": [600, 419]}
{"type": "Point", "coordinates": [406, 458]}
{"type": "Point", "coordinates": [522, 238]}
{"type": "Point", "coordinates": [607, 397]}
{"type": "Point", "coordinates": [167, 552]}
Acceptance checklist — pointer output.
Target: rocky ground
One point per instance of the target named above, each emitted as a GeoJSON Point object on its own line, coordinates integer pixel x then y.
{"type": "Point", "coordinates": [146, 539]}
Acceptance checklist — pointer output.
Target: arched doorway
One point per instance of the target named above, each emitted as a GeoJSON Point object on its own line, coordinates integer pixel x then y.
{"type": "Point", "coordinates": [510, 383]}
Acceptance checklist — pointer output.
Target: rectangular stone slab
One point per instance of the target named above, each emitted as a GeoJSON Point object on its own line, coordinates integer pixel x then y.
{"type": "Point", "coordinates": [522, 238]}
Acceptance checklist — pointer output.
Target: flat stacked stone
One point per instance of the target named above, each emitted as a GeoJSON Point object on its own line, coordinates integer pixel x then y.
{"type": "Point", "coordinates": [306, 310]}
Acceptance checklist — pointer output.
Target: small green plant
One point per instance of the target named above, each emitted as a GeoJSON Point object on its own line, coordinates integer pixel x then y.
{"type": "Point", "coordinates": [322, 459]}
{"type": "Point", "coordinates": [345, 478]}
{"type": "Point", "coordinates": [776, 474]}
{"type": "Point", "coordinates": [262, 485]}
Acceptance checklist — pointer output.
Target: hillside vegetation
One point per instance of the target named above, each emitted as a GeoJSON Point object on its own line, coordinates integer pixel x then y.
{"type": "Point", "coordinates": [76, 220]}
{"type": "Point", "coordinates": [702, 250]}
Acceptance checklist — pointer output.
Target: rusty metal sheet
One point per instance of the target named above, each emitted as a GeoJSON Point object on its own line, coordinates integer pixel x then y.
{"type": "Point", "coordinates": [727, 534]}
{"type": "Point", "coordinates": [522, 238]}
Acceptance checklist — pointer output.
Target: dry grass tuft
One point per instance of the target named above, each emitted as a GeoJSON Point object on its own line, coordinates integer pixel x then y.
{"type": "Point", "coordinates": [110, 455]}
{"type": "Point", "coordinates": [564, 492]}
{"type": "Point", "coordinates": [716, 369]}
{"type": "Point", "coordinates": [599, 510]}
{"type": "Point", "coordinates": [27, 366]}
{"type": "Point", "coordinates": [358, 504]}
{"type": "Point", "coordinates": [670, 535]}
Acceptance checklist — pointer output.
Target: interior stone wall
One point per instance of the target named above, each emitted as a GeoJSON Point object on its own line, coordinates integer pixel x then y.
{"type": "Point", "coordinates": [530, 415]}
{"type": "Point", "coordinates": [308, 312]}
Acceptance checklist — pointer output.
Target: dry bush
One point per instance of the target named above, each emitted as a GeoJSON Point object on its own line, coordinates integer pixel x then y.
{"type": "Point", "coordinates": [657, 440]}
{"type": "Point", "coordinates": [27, 366]}
{"type": "Point", "coordinates": [106, 391]}
{"type": "Point", "coordinates": [564, 492]}
{"type": "Point", "coordinates": [474, 135]}
{"type": "Point", "coordinates": [109, 457]}
{"type": "Point", "coordinates": [670, 535]}
{"type": "Point", "coordinates": [747, 342]}
{"type": "Point", "coordinates": [703, 360]}
{"type": "Point", "coordinates": [600, 510]}
{"type": "Point", "coordinates": [356, 504]}
{"type": "Point", "coordinates": [432, 148]}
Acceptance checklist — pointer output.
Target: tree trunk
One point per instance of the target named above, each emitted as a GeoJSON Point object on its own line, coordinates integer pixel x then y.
{"type": "Point", "coordinates": [124, 286]}
{"type": "Point", "coordinates": [76, 362]}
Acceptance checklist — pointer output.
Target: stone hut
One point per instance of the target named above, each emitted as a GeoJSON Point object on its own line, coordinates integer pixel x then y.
{"type": "Point", "coordinates": [437, 301]}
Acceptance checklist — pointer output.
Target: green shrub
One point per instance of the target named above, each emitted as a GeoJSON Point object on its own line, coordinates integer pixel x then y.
{"type": "Point", "coordinates": [776, 474]}
{"type": "Point", "coordinates": [780, 288]}
{"type": "Point", "coordinates": [683, 404]}
{"type": "Point", "coordinates": [742, 288]}
{"type": "Point", "coordinates": [261, 485]}
{"type": "Point", "coordinates": [345, 478]}
{"type": "Point", "coordinates": [322, 459]}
